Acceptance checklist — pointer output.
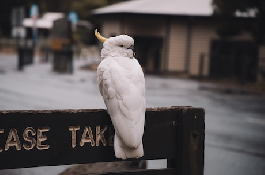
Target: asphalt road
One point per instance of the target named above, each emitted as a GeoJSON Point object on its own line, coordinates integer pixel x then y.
{"type": "Point", "coordinates": [235, 124]}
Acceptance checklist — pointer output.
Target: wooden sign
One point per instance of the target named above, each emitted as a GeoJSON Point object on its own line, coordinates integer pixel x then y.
{"type": "Point", "coordinates": [60, 137]}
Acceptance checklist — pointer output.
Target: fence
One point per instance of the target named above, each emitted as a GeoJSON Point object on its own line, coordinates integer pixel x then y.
{"type": "Point", "coordinates": [61, 137]}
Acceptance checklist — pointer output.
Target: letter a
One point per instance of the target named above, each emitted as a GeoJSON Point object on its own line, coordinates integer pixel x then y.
{"type": "Point", "coordinates": [13, 140]}
{"type": "Point", "coordinates": [85, 139]}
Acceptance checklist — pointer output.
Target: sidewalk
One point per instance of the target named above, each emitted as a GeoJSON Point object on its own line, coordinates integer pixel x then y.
{"type": "Point", "coordinates": [234, 88]}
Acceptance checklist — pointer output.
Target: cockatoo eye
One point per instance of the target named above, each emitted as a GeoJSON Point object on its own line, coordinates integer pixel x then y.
{"type": "Point", "coordinates": [121, 45]}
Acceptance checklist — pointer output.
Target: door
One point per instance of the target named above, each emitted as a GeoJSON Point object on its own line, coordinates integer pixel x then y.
{"type": "Point", "coordinates": [234, 59]}
{"type": "Point", "coordinates": [149, 52]}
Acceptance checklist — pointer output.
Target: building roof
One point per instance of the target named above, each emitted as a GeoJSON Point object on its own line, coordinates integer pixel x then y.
{"type": "Point", "coordinates": [160, 7]}
{"type": "Point", "coordinates": [46, 22]}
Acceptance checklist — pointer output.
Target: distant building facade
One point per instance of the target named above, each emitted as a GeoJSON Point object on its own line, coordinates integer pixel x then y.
{"type": "Point", "coordinates": [179, 37]}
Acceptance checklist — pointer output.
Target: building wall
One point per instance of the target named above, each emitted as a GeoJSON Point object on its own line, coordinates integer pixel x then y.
{"type": "Point", "coordinates": [148, 27]}
{"type": "Point", "coordinates": [261, 63]}
{"type": "Point", "coordinates": [177, 46]}
{"type": "Point", "coordinates": [134, 27]}
{"type": "Point", "coordinates": [137, 27]}
{"type": "Point", "coordinates": [174, 32]}
{"type": "Point", "coordinates": [145, 27]}
{"type": "Point", "coordinates": [110, 27]}
{"type": "Point", "coordinates": [262, 55]}
{"type": "Point", "coordinates": [201, 35]}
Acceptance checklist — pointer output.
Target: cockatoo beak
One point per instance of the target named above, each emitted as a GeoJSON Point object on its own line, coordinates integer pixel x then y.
{"type": "Point", "coordinates": [131, 47]}
{"type": "Point", "coordinates": [99, 37]}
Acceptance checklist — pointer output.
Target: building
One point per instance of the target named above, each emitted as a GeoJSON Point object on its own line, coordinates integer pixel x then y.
{"type": "Point", "coordinates": [179, 37]}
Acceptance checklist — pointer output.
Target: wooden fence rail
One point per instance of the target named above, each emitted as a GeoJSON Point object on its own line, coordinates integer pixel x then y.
{"type": "Point", "coordinates": [64, 137]}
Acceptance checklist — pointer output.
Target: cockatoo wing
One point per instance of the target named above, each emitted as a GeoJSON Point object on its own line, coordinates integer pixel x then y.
{"type": "Point", "coordinates": [122, 85]}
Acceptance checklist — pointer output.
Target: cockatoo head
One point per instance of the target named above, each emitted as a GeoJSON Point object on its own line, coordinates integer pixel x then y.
{"type": "Point", "coordinates": [118, 46]}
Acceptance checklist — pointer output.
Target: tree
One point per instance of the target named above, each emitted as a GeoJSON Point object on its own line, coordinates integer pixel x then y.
{"type": "Point", "coordinates": [252, 13]}
{"type": "Point", "coordinates": [85, 7]}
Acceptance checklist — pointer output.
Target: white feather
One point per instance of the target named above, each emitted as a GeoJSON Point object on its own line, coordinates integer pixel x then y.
{"type": "Point", "coordinates": [122, 85]}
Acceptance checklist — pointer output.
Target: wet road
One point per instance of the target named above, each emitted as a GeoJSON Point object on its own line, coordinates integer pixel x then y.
{"type": "Point", "coordinates": [235, 124]}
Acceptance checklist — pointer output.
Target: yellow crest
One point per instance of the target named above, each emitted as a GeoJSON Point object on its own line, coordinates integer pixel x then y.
{"type": "Point", "coordinates": [99, 37]}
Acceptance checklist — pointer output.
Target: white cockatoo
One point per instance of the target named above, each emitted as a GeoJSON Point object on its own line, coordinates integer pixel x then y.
{"type": "Point", "coordinates": [122, 85]}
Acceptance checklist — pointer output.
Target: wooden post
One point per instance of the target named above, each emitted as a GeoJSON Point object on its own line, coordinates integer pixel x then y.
{"type": "Point", "coordinates": [190, 133]}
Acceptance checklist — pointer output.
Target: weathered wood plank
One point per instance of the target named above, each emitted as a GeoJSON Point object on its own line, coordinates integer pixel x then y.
{"type": "Point", "coordinates": [38, 138]}
{"type": "Point", "coordinates": [168, 171]}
